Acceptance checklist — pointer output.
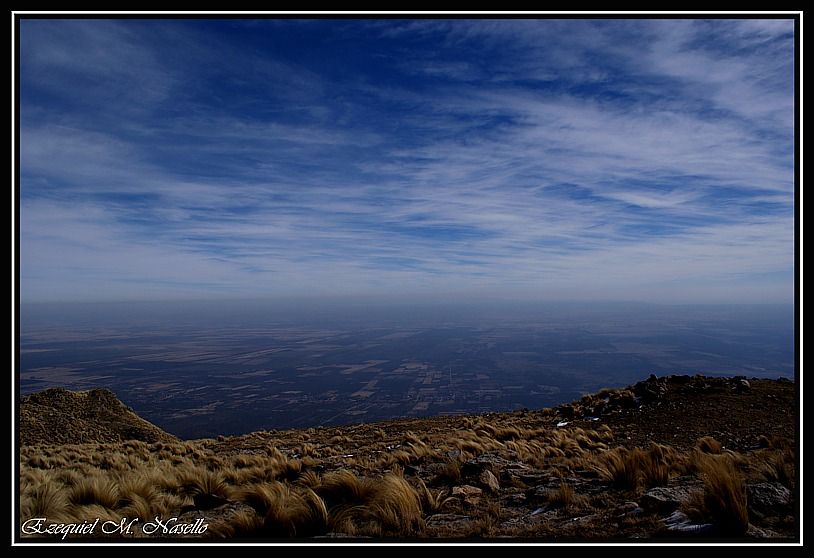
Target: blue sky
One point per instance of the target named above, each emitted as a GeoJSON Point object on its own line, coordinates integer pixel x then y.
{"type": "Point", "coordinates": [546, 159]}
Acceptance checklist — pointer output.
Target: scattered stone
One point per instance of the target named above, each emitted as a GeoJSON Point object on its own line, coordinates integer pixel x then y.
{"type": "Point", "coordinates": [758, 533]}
{"type": "Point", "coordinates": [537, 494]}
{"type": "Point", "coordinates": [742, 384]}
{"type": "Point", "coordinates": [466, 490]}
{"type": "Point", "coordinates": [488, 480]}
{"type": "Point", "coordinates": [434, 469]}
{"type": "Point", "coordinates": [768, 499]}
{"type": "Point", "coordinates": [469, 494]}
{"type": "Point", "coordinates": [566, 411]}
{"type": "Point", "coordinates": [533, 478]}
{"type": "Point", "coordinates": [626, 508]}
{"type": "Point", "coordinates": [651, 389]}
{"type": "Point", "coordinates": [664, 499]}
{"type": "Point", "coordinates": [450, 520]}
{"type": "Point", "coordinates": [484, 462]}
{"type": "Point", "coordinates": [515, 500]}
{"type": "Point", "coordinates": [678, 522]}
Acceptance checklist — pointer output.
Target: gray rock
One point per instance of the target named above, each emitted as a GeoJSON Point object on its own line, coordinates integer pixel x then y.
{"type": "Point", "coordinates": [489, 481]}
{"type": "Point", "coordinates": [447, 520]}
{"type": "Point", "coordinates": [484, 462]}
{"type": "Point", "coordinates": [469, 494]}
{"type": "Point", "coordinates": [533, 478]}
{"type": "Point", "coordinates": [651, 389]}
{"type": "Point", "coordinates": [678, 522]}
{"type": "Point", "coordinates": [433, 469]}
{"type": "Point", "coordinates": [466, 490]}
{"type": "Point", "coordinates": [626, 508]}
{"type": "Point", "coordinates": [515, 500]}
{"type": "Point", "coordinates": [664, 499]}
{"type": "Point", "coordinates": [760, 533]}
{"type": "Point", "coordinates": [768, 499]}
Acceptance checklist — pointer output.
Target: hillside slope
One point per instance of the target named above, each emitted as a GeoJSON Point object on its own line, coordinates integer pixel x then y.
{"type": "Point", "coordinates": [676, 458]}
{"type": "Point", "coordinates": [57, 416]}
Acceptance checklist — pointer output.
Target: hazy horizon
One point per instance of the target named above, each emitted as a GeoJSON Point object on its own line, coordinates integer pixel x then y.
{"type": "Point", "coordinates": [357, 308]}
{"type": "Point", "coordinates": [409, 160]}
{"type": "Point", "coordinates": [202, 369]}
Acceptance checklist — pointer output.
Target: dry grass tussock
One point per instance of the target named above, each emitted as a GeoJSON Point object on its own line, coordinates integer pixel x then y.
{"type": "Point", "coordinates": [637, 468]}
{"type": "Point", "coordinates": [723, 501]}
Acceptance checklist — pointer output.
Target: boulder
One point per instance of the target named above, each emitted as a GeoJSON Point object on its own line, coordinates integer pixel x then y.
{"type": "Point", "coordinates": [679, 523]}
{"type": "Point", "coordinates": [664, 499]}
{"type": "Point", "coordinates": [466, 490]}
{"type": "Point", "coordinates": [469, 494]}
{"type": "Point", "coordinates": [489, 481]}
{"type": "Point", "coordinates": [741, 384]}
{"type": "Point", "coordinates": [768, 499]}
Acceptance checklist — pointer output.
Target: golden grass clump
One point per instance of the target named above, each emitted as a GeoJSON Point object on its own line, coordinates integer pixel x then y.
{"type": "Point", "coordinates": [244, 523]}
{"type": "Point", "coordinates": [90, 491]}
{"type": "Point", "coordinates": [563, 497]}
{"type": "Point", "coordinates": [778, 466]}
{"type": "Point", "coordinates": [620, 466]}
{"type": "Point", "coordinates": [432, 501]}
{"type": "Point", "coordinates": [287, 512]}
{"type": "Point", "coordinates": [388, 506]}
{"type": "Point", "coordinates": [632, 468]}
{"type": "Point", "coordinates": [656, 465]}
{"type": "Point", "coordinates": [708, 444]}
{"type": "Point", "coordinates": [448, 473]}
{"type": "Point", "coordinates": [724, 499]}
{"type": "Point", "coordinates": [42, 500]}
{"type": "Point", "coordinates": [207, 488]}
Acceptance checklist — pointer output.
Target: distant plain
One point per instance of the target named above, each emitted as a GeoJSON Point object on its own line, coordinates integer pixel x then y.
{"type": "Point", "coordinates": [201, 370]}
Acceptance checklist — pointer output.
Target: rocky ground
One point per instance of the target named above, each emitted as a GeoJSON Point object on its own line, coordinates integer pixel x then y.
{"type": "Point", "coordinates": [675, 458]}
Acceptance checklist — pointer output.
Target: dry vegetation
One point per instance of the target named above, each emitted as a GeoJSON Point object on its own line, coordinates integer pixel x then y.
{"type": "Point", "coordinates": [515, 475]}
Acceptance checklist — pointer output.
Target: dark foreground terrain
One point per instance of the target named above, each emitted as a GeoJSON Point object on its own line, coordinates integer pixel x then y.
{"type": "Point", "coordinates": [675, 458]}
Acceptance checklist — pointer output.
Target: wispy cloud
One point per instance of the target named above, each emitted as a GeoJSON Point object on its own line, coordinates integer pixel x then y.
{"type": "Point", "coordinates": [602, 159]}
